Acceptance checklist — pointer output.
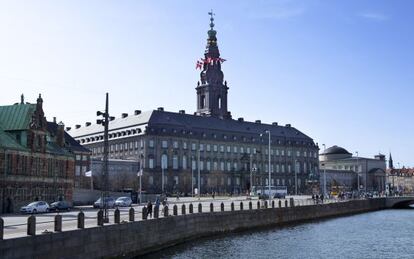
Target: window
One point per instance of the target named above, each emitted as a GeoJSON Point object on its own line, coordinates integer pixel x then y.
{"type": "Point", "coordinates": [175, 144]}
{"type": "Point", "coordinates": [235, 149]}
{"type": "Point", "coordinates": [184, 145]}
{"type": "Point", "coordinates": [277, 152]}
{"type": "Point", "coordinates": [297, 153]}
{"type": "Point", "coordinates": [228, 181]}
{"type": "Point", "coordinates": [289, 169]}
{"type": "Point", "coordinates": [193, 146]}
{"type": "Point", "coordinates": [228, 149]}
{"type": "Point", "coordinates": [237, 181]}
{"type": "Point", "coordinates": [304, 167]}
{"type": "Point", "coordinates": [305, 154]}
{"type": "Point", "coordinates": [78, 170]}
{"type": "Point", "coordinates": [254, 150]}
{"type": "Point", "coordinates": [131, 145]}
{"type": "Point", "coordinates": [151, 143]}
{"type": "Point", "coordinates": [201, 165]}
{"type": "Point", "coordinates": [266, 168]}
{"type": "Point", "coordinates": [288, 153]}
{"type": "Point", "coordinates": [266, 151]}
{"type": "Point", "coordinates": [283, 152]}
{"type": "Point", "coordinates": [222, 166]}
{"type": "Point", "coordinates": [283, 168]}
{"type": "Point", "coordinates": [126, 146]}
{"type": "Point", "coordinates": [215, 165]}
{"type": "Point", "coordinates": [277, 168]}
{"type": "Point", "coordinates": [242, 150]}
{"type": "Point", "coordinates": [184, 162]}
{"type": "Point", "coordinates": [84, 158]}
{"type": "Point", "coordinates": [228, 166]}
{"type": "Point", "coordinates": [176, 180]}
{"type": "Point", "coordinates": [78, 157]}
{"type": "Point", "coordinates": [208, 166]}
{"type": "Point", "coordinates": [151, 180]}
{"type": "Point", "coordinates": [235, 166]}
{"type": "Point", "coordinates": [248, 150]}
{"type": "Point", "coordinates": [164, 144]}
{"type": "Point", "coordinates": [151, 163]}
{"type": "Point", "coordinates": [201, 147]}
{"type": "Point", "coordinates": [164, 161]}
{"type": "Point", "coordinates": [221, 148]}
{"type": "Point", "coordinates": [219, 102]}
{"type": "Point", "coordinates": [208, 148]}
{"type": "Point", "coordinates": [175, 162]}
{"type": "Point", "coordinates": [193, 164]}
{"type": "Point", "coordinates": [215, 148]}
{"type": "Point", "coordinates": [271, 152]}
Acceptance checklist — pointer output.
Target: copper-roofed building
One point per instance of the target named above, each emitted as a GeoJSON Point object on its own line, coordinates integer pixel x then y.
{"type": "Point", "coordinates": [209, 142]}
{"type": "Point", "coordinates": [37, 158]}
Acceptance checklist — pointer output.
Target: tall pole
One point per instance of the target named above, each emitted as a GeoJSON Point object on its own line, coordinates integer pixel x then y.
{"type": "Point", "coordinates": [357, 170]}
{"type": "Point", "coordinates": [198, 169]}
{"type": "Point", "coordinates": [162, 174]}
{"type": "Point", "coordinates": [296, 179]}
{"type": "Point", "coordinates": [192, 178]}
{"type": "Point", "coordinates": [268, 132]}
{"type": "Point", "coordinates": [140, 177]}
{"type": "Point", "coordinates": [105, 158]}
{"type": "Point", "coordinates": [251, 174]}
{"type": "Point", "coordinates": [324, 171]}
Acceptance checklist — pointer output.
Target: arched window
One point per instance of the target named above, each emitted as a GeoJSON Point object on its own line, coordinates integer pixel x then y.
{"type": "Point", "coordinates": [164, 161]}
{"type": "Point", "coordinates": [184, 162]}
{"type": "Point", "coordinates": [175, 162]}
{"type": "Point", "coordinates": [202, 101]}
{"type": "Point", "coordinates": [219, 102]}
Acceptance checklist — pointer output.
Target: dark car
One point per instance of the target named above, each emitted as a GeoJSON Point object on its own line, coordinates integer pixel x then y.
{"type": "Point", "coordinates": [60, 206]}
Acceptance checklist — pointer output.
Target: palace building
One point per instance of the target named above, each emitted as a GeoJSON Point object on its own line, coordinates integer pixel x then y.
{"type": "Point", "coordinates": [207, 147]}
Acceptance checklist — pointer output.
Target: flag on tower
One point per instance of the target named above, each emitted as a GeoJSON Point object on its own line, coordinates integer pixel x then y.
{"type": "Point", "coordinates": [199, 65]}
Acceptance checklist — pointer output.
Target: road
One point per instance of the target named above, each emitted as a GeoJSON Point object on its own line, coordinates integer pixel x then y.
{"type": "Point", "coordinates": [16, 225]}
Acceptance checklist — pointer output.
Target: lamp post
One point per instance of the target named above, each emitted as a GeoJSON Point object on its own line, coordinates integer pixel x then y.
{"type": "Point", "coordinates": [162, 173]}
{"type": "Point", "coordinates": [268, 132]}
{"type": "Point", "coordinates": [198, 169]}
{"type": "Point", "coordinates": [296, 177]}
{"type": "Point", "coordinates": [324, 171]}
{"type": "Point", "coordinates": [251, 173]}
{"type": "Point", "coordinates": [105, 123]}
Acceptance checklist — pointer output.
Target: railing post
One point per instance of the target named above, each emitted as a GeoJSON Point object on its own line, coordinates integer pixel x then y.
{"type": "Point", "coordinates": [190, 208]}
{"type": "Point", "coordinates": [265, 204]}
{"type": "Point", "coordinates": [273, 204]}
{"type": "Point", "coordinates": [100, 218]}
{"type": "Point", "coordinates": [1, 228]}
{"type": "Point", "coordinates": [292, 202]}
{"type": "Point", "coordinates": [222, 206]}
{"type": "Point", "coordinates": [81, 220]}
{"type": "Point", "coordinates": [241, 205]}
{"type": "Point", "coordinates": [280, 204]}
{"type": "Point", "coordinates": [117, 216]}
{"type": "Point", "coordinates": [144, 212]}
{"type": "Point", "coordinates": [183, 209]}
{"type": "Point", "coordinates": [286, 203]}
{"type": "Point", "coordinates": [165, 211]}
{"type": "Point", "coordinates": [258, 204]}
{"type": "Point", "coordinates": [175, 210]}
{"type": "Point", "coordinates": [58, 223]}
{"type": "Point", "coordinates": [232, 206]}
{"type": "Point", "coordinates": [31, 225]}
{"type": "Point", "coordinates": [131, 214]}
{"type": "Point", "coordinates": [250, 205]}
{"type": "Point", "coordinates": [200, 208]}
{"type": "Point", "coordinates": [211, 207]}
{"type": "Point", "coordinates": [156, 212]}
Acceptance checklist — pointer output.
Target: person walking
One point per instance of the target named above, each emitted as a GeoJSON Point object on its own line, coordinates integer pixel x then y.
{"type": "Point", "coordinates": [149, 209]}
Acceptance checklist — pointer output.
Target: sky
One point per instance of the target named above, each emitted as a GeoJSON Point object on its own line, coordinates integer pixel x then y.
{"type": "Point", "coordinates": [342, 72]}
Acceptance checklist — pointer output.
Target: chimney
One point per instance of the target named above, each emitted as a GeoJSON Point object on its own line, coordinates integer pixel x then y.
{"type": "Point", "coordinates": [274, 123]}
{"type": "Point", "coordinates": [161, 109]}
{"type": "Point", "coordinates": [77, 126]}
{"type": "Point", "coordinates": [87, 124]}
{"type": "Point", "coordinates": [124, 115]}
{"type": "Point", "coordinates": [54, 119]}
{"type": "Point", "coordinates": [137, 112]}
{"type": "Point", "coordinates": [181, 111]}
{"type": "Point", "coordinates": [60, 135]}
{"type": "Point", "coordinates": [68, 128]}
{"type": "Point", "coordinates": [240, 119]}
{"type": "Point", "coordinates": [258, 121]}
{"type": "Point", "coordinates": [288, 125]}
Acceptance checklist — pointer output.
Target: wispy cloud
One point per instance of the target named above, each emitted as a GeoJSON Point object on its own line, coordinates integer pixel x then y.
{"type": "Point", "coordinates": [374, 16]}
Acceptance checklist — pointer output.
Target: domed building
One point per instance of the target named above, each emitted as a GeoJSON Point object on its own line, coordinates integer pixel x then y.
{"type": "Point", "coordinates": [346, 172]}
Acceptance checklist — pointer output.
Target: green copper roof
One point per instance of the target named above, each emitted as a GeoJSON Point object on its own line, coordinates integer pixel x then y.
{"type": "Point", "coordinates": [16, 117]}
{"type": "Point", "coordinates": [8, 142]}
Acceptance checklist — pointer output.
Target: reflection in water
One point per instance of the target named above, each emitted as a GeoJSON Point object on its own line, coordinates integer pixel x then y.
{"type": "Point", "coordinates": [381, 234]}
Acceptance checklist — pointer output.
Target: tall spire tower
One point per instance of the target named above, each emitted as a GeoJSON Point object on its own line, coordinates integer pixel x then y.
{"type": "Point", "coordinates": [211, 90]}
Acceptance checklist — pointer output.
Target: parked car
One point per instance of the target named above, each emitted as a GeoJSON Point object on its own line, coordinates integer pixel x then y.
{"type": "Point", "coordinates": [35, 207]}
{"type": "Point", "coordinates": [59, 206]}
{"type": "Point", "coordinates": [109, 201]}
{"type": "Point", "coordinates": [123, 202]}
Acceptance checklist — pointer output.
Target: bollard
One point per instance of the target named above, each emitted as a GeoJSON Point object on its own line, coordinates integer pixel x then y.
{"type": "Point", "coordinates": [166, 211]}
{"type": "Point", "coordinates": [292, 202]}
{"type": "Point", "coordinates": [175, 210]}
{"type": "Point", "coordinates": [1, 228]}
{"type": "Point", "coordinates": [250, 205]}
{"type": "Point", "coordinates": [280, 204]}
{"type": "Point", "coordinates": [81, 220]}
{"type": "Point", "coordinates": [211, 207]}
{"type": "Point", "coordinates": [222, 206]}
{"type": "Point", "coordinates": [100, 218]}
{"type": "Point", "coordinates": [58, 223]}
{"type": "Point", "coordinates": [273, 204]}
{"type": "Point", "coordinates": [265, 204]}
{"type": "Point", "coordinates": [191, 208]}
{"type": "Point", "coordinates": [117, 216]}
{"type": "Point", "coordinates": [144, 213]}
{"type": "Point", "coordinates": [183, 209]}
{"type": "Point", "coordinates": [31, 225]}
{"type": "Point", "coordinates": [232, 206]}
{"type": "Point", "coordinates": [286, 203]}
{"type": "Point", "coordinates": [131, 214]}
{"type": "Point", "coordinates": [258, 204]}
{"type": "Point", "coordinates": [241, 205]}
{"type": "Point", "coordinates": [200, 208]}
{"type": "Point", "coordinates": [156, 212]}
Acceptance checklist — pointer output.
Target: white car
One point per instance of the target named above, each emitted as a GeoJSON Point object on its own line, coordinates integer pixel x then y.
{"type": "Point", "coordinates": [35, 207]}
{"type": "Point", "coordinates": [123, 202]}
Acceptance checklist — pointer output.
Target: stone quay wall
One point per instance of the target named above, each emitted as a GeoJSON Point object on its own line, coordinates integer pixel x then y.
{"type": "Point", "coordinates": [140, 237]}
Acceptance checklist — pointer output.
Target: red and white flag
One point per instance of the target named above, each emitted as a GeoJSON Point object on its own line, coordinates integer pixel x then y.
{"type": "Point", "coordinates": [199, 65]}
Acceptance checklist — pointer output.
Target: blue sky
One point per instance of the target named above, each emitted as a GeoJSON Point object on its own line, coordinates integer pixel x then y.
{"type": "Point", "coordinates": [340, 71]}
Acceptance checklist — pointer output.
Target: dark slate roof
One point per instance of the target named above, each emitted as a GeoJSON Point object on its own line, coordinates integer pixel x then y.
{"type": "Point", "coordinates": [71, 143]}
{"type": "Point", "coordinates": [335, 150]}
{"type": "Point", "coordinates": [17, 116]}
{"type": "Point", "coordinates": [8, 142]}
{"type": "Point", "coordinates": [159, 119]}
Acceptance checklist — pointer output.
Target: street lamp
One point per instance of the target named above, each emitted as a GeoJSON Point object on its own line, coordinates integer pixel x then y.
{"type": "Point", "coordinates": [296, 177]}
{"type": "Point", "coordinates": [357, 170]}
{"type": "Point", "coordinates": [268, 132]}
{"type": "Point", "coordinates": [105, 122]}
{"type": "Point", "coordinates": [324, 171]}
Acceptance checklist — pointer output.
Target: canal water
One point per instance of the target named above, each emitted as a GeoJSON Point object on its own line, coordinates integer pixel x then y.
{"type": "Point", "coordinates": [380, 234]}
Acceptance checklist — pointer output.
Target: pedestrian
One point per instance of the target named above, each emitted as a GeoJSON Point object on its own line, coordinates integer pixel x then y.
{"type": "Point", "coordinates": [213, 195]}
{"type": "Point", "coordinates": [149, 209]}
{"type": "Point", "coordinates": [321, 198]}
{"type": "Point", "coordinates": [317, 198]}
{"type": "Point", "coordinates": [313, 198]}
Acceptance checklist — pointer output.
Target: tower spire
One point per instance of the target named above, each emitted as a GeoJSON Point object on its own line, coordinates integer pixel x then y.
{"type": "Point", "coordinates": [212, 92]}
{"type": "Point", "coordinates": [390, 162]}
